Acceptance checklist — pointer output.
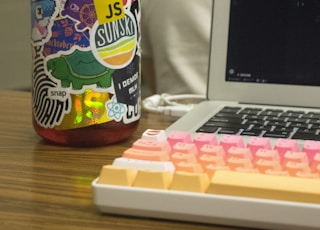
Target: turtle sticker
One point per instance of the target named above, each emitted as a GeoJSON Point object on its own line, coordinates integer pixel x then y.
{"type": "Point", "coordinates": [78, 69]}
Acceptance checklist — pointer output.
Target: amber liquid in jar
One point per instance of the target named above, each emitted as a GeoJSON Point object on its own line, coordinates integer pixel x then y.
{"type": "Point", "coordinates": [96, 135]}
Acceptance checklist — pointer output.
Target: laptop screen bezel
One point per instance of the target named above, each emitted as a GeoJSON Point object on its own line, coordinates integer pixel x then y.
{"type": "Point", "coordinates": [252, 93]}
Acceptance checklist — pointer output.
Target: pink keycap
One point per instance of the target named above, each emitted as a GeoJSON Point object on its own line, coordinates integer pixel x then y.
{"type": "Point", "coordinates": [152, 145]}
{"type": "Point", "coordinates": [185, 148]}
{"type": "Point", "coordinates": [311, 148]}
{"type": "Point", "coordinates": [178, 157]}
{"type": "Point", "coordinates": [295, 167]}
{"type": "Point", "coordinates": [267, 154]}
{"type": "Point", "coordinates": [263, 165]}
{"type": "Point", "coordinates": [178, 136]}
{"type": "Point", "coordinates": [230, 140]}
{"type": "Point", "coordinates": [235, 162]}
{"type": "Point", "coordinates": [207, 159]}
{"type": "Point", "coordinates": [148, 155]}
{"type": "Point", "coordinates": [239, 152]}
{"type": "Point", "coordinates": [300, 157]}
{"type": "Point", "coordinates": [201, 139]}
{"type": "Point", "coordinates": [256, 143]}
{"type": "Point", "coordinates": [189, 167]}
{"type": "Point", "coordinates": [284, 145]}
{"type": "Point", "coordinates": [315, 164]}
{"type": "Point", "coordinates": [215, 150]}
{"type": "Point", "coordinates": [317, 169]}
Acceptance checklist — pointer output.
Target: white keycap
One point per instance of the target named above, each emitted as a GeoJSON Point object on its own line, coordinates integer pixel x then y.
{"type": "Point", "coordinates": [143, 165]}
{"type": "Point", "coordinates": [154, 134]}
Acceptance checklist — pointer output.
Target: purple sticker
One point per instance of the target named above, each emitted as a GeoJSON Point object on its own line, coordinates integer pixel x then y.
{"type": "Point", "coordinates": [82, 11]}
{"type": "Point", "coordinates": [65, 36]}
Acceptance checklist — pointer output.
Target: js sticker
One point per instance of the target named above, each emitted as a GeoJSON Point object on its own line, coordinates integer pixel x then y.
{"type": "Point", "coordinates": [109, 10]}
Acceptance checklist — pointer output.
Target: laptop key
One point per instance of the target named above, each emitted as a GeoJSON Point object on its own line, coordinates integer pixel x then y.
{"type": "Point", "coordinates": [295, 114]}
{"type": "Point", "coordinates": [255, 117]}
{"type": "Point", "coordinates": [226, 120]}
{"type": "Point", "coordinates": [299, 125]}
{"type": "Point", "coordinates": [274, 113]}
{"type": "Point", "coordinates": [251, 132]}
{"type": "Point", "coordinates": [313, 115]}
{"type": "Point", "coordinates": [275, 134]}
{"type": "Point", "coordinates": [284, 129]}
{"type": "Point", "coordinates": [228, 115]}
{"type": "Point", "coordinates": [315, 127]}
{"type": "Point", "coordinates": [227, 124]}
{"type": "Point", "coordinates": [207, 129]}
{"type": "Point", "coordinates": [262, 127]}
{"type": "Point", "coordinates": [255, 122]}
{"type": "Point", "coordinates": [278, 124]}
{"type": "Point", "coordinates": [306, 136]}
{"type": "Point", "coordinates": [314, 121]}
{"type": "Point", "coordinates": [297, 120]}
{"type": "Point", "coordinates": [250, 111]}
{"type": "Point", "coordinates": [229, 130]}
{"type": "Point", "coordinates": [276, 118]}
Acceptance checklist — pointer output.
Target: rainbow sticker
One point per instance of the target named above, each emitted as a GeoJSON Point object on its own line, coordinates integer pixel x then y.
{"type": "Point", "coordinates": [115, 42]}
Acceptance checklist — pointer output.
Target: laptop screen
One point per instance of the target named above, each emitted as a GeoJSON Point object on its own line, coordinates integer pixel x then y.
{"type": "Point", "coordinates": [265, 52]}
{"type": "Point", "coordinates": [288, 35]}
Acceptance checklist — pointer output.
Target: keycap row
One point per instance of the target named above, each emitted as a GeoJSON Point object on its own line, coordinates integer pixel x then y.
{"type": "Point", "coordinates": [161, 175]}
{"type": "Point", "coordinates": [310, 147]}
{"type": "Point", "coordinates": [205, 154]}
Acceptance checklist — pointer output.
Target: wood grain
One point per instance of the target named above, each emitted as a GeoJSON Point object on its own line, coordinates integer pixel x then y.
{"type": "Point", "coordinates": [44, 186]}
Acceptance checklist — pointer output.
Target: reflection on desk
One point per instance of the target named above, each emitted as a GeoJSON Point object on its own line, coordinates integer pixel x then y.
{"type": "Point", "coordinates": [48, 187]}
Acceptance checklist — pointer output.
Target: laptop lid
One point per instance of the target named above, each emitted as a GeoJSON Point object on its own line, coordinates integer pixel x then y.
{"type": "Point", "coordinates": [265, 52]}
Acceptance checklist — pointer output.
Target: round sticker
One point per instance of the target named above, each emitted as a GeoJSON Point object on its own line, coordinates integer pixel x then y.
{"type": "Point", "coordinates": [114, 43]}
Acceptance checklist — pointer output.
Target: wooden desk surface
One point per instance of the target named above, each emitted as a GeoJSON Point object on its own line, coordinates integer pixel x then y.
{"type": "Point", "coordinates": [48, 187]}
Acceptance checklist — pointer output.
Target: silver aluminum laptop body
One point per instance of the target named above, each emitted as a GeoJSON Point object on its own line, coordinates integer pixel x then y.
{"type": "Point", "coordinates": [240, 89]}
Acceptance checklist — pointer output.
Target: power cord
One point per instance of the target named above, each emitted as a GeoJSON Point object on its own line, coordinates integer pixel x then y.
{"type": "Point", "coordinates": [168, 104]}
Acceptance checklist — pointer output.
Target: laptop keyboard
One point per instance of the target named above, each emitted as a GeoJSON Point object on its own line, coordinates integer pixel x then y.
{"type": "Point", "coordinates": [274, 123]}
{"type": "Point", "coordinates": [221, 181]}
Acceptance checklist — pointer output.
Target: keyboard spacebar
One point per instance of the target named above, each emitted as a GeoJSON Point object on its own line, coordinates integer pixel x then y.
{"type": "Point", "coordinates": [265, 186]}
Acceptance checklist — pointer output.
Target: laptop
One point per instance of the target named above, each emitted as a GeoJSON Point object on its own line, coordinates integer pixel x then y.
{"type": "Point", "coordinates": [264, 63]}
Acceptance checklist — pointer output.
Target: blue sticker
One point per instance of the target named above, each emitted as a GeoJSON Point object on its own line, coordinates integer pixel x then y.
{"type": "Point", "coordinates": [41, 13]}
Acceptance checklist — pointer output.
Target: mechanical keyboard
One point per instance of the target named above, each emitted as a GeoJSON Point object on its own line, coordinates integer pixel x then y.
{"type": "Point", "coordinates": [206, 179]}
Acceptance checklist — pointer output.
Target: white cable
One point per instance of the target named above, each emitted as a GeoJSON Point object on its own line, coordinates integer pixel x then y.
{"type": "Point", "coordinates": [168, 105]}
{"type": "Point", "coordinates": [170, 99]}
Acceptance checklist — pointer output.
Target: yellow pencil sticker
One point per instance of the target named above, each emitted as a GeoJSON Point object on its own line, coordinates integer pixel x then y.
{"type": "Point", "coordinates": [109, 10]}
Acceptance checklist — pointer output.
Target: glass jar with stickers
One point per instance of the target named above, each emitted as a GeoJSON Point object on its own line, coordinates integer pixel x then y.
{"type": "Point", "coordinates": [86, 70]}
